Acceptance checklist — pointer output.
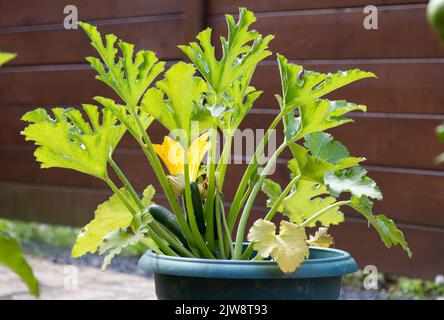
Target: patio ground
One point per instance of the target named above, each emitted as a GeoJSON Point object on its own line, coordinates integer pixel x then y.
{"type": "Point", "coordinates": [70, 282]}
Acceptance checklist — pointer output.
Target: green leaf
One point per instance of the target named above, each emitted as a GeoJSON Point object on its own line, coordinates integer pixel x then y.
{"type": "Point", "coordinates": [273, 190]}
{"type": "Point", "coordinates": [440, 132]}
{"type": "Point", "coordinates": [68, 141]}
{"type": "Point", "coordinates": [238, 56]}
{"type": "Point", "coordinates": [308, 199]}
{"type": "Point", "coordinates": [128, 76]}
{"type": "Point", "coordinates": [323, 147]}
{"type": "Point", "coordinates": [108, 217]}
{"type": "Point", "coordinates": [321, 114]}
{"type": "Point", "coordinates": [5, 57]}
{"type": "Point", "coordinates": [11, 256]}
{"type": "Point", "coordinates": [313, 168]}
{"type": "Point", "coordinates": [353, 180]}
{"type": "Point", "coordinates": [300, 87]}
{"type": "Point", "coordinates": [440, 135]}
{"type": "Point", "coordinates": [386, 228]}
{"type": "Point", "coordinates": [184, 91]}
{"type": "Point", "coordinates": [122, 114]}
{"type": "Point", "coordinates": [289, 249]}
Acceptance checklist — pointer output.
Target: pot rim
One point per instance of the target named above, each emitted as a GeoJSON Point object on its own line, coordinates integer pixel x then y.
{"type": "Point", "coordinates": [330, 263]}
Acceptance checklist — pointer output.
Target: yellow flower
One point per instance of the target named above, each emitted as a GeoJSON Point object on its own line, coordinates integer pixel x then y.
{"type": "Point", "coordinates": [172, 154]}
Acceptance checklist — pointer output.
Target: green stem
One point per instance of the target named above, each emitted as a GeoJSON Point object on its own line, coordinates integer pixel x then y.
{"type": "Point", "coordinates": [152, 157]}
{"type": "Point", "coordinates": [190, 211]}
{"type": "Point", "coordinates": [316, 216]}
{"type": "Point", "coordinates": [246, 212]}
{"type": "Point", "coordinates": [122, 198]}
{"type": "Point", "coordinates": [161, 243]}
{"type": "Point", "coordinates": [237, 201]}
{"type": "Point", "coordinates": [165, 234]}
{"type": "Point", "coordinates": [126, 183]}
{"type": "Point", "coordinates": [229, 242]}
{"type": "Point", "coordinates": [220, 234]}
{"type": "Point", "coordinates": [223, 162]}
{"type": "Point", "coordinates": [209, 202]}
{"type": "Point", "coordinates": [246, 255]}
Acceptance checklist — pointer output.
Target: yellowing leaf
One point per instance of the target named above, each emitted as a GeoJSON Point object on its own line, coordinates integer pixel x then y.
{"type": "Point", "coordinates": [289, 249]}
{"type": "Point", "coordinates": [321, 239]}
{"type": "Point", "coordinates": [68, 141]}
{"type": "Point", "coordinates": [308, 199]}
{"type": "Point", "coordinates": [109, 216]}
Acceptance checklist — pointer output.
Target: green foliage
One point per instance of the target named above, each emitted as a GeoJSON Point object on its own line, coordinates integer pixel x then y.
{"type": "Point", "coordinates": [301, 87]}
{"type": "Point", "coordinates": [322, 155]}
{"type": "Point", "coordinates": [308, 199]}
{"type": "Point", "coordinates": [111, 220]}
{"type": "Point", "coordinates": [5, 57]}
{"type": "Point", "coordinates": [184, 91]}
{"type": "Point", "coordinates": [219, 96]}
{"type": "Point", "coordinates": [238, 56]}
{"type": "Point", "coordinates": [68, 141]}
{"type": "Point", "coordinates": [440, 135]}
{"type": "Point", "coordinates": [352, 180]}
{"type": "Point", "coordinates": [128, 75]}
{"type": "Point", "coordinates": [11, 256]}
{"type": "Point", "coordinates": [389, 233]}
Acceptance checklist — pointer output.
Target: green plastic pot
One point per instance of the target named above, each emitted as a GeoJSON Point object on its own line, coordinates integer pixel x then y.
{"type": "Point", "coordinates": [317, 278]}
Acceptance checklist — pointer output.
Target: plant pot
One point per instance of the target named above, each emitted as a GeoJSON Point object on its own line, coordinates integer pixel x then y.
{"type": "Point", "coordinates": [319, 277]}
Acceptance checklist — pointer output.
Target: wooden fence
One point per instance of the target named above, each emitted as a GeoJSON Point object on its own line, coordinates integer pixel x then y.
{"type": "Point", "coordinates": [396, 135]}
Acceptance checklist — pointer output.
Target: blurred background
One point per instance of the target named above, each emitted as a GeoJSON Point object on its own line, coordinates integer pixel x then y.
{"type": "Point", "coordinates": [396, 135]}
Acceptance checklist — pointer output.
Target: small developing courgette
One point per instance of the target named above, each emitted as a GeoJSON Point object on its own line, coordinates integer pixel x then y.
{"type": "Point", "coordinates": [168, 220]}
{"type": "Point", "coordinates": [197, 206]}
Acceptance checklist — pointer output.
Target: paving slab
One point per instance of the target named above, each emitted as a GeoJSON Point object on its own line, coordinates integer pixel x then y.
{"type": "Point", "coordinates": [73, 282]}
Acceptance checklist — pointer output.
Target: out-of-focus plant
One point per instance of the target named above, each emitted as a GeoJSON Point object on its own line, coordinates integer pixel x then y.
{"type": "Point", "coordinates": [216, 98]}
{"type": "Point", "coordinates": [11, 254]}
{"type": "Point", "coordinates": [435, 16]}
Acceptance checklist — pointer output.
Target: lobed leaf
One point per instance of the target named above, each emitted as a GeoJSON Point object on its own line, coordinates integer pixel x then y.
{"type": "Point", "coordinates": [321, 239]}
{"type": "Point", "coordinates": [184, 92]}
{"type": "Point", "coordinates": [324, 154]}
{"type": "Point", "coordinates": [353, 180]}
{"type": "Point", "coordinates": [289, 249]}
{"type": "Point", "coordinates": [129, 75]}
{"type": "Point", "coordinates": [68, 141]}
{"type": "Point", "coordinates": [238, 55]}
{"type": "Point", "coordinates": [389, 233]}
{"type": "Point", "coordinates": [109, 216]}
{"type": "Point", "coordinates": [300, 87]}
{"type": "Point", "coordinates": [308, 199]}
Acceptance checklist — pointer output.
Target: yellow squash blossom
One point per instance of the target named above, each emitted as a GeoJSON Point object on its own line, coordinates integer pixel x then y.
{"type": "Point", "coordinates": [172, 154]}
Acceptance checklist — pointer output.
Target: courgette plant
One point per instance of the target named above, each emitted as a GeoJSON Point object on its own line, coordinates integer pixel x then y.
{"type": "Point", "coordinates": [11, 254]}
{"type": "Point", "coordinates": [215, 93]}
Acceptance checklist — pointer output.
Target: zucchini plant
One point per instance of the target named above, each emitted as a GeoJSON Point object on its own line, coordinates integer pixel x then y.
{"type": "Point", "coordinates": [11, 254]}
{"type": "Point", "coordinates": [216, 93]}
